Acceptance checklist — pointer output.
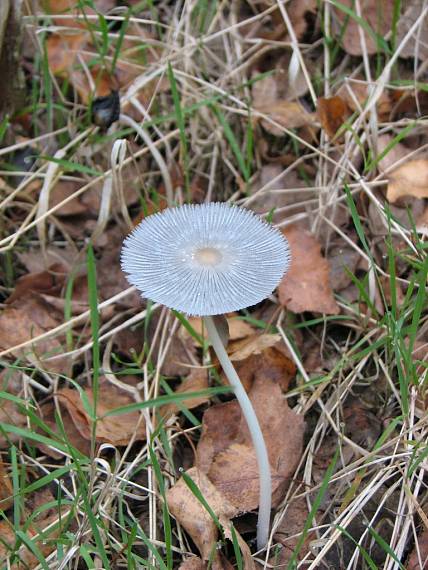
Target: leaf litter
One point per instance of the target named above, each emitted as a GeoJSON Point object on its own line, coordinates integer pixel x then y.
{"type": "Point", "coordinates": [311, 395]}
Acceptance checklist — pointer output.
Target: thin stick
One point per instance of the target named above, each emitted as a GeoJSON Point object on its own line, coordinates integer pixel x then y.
{"type": "Point", "coordinates": [255, 431]}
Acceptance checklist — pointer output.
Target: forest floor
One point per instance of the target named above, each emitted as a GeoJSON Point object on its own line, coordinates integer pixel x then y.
{"type": "Point", "coordinates": [120, 446]}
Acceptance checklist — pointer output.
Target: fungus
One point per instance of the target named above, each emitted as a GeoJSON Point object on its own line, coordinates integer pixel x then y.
{"type": "Point", "coordinates": [208, 260]}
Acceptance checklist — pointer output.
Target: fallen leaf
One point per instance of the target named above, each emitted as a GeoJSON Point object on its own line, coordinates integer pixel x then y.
{"type": "Point", "coordinates": [409, 179]}
{"type": "Point", "coordinates": [194, 563]}
{"type": "Point", "coordinates": [419, 553]}
{"type": "Point", "coordinates": [306, 286]}
{"type": "Point", "coordinates": [355, 92]}
{"type": "Point", "coordinates": [117, 430]}
{"type": "Point", "coordinates": [342, 259]}
{"type": "Point", "coordinates": [288, 114]}
{"type": "Point", "coordinates": [417, 45]}
{"type": "Point", "coordinates": [74, 437]}
{"type": "Point", "coordinates": [293, 199]}
{"type": "Point", "coordinates": [376, 13]}
{"type": "Point", "coordinates": [6, 488]}
{"type": "Point", "coordinates": [225, 451]}
{"type": "Point", "coordinates": [196, 381]}
{"type": "Point", "coordinates": [50, 281]}
{"type": "Point", "coordinates": [26, 319]}
{"type": "Point", "coordinates": [262, 356]}
{"type": "Point", "coordinates": [193, 516]}
{"type": "Point", "coordinates": [238, 328]}
{"type": "Point", "coordinates": [333, 113]}
{"type": "Point", "coordinates": [289, 531]}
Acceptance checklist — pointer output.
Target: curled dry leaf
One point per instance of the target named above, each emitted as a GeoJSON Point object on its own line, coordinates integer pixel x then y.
{"type": "Point", "coordinates": [376, 13]}
{"type": "Point", "coordinates": [225, 451]}
{"type": "Point", "coordinates": [193, 516]}
{"type": "Point", "coordinates": [306, 286]}
{"type": "Point", "coordinates": [333, 113]}
{"type": "Point", "coordinates": [409, 179]}
{"type": "Point", "coordinates": [117, 430]}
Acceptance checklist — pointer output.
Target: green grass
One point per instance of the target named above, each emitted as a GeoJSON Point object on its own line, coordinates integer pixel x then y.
{"type": "Point", "coordinates": [117, 497]}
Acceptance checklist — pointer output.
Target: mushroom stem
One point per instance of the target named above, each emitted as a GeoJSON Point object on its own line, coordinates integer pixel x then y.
{"type": "Point", "coordinates": [265, 500]}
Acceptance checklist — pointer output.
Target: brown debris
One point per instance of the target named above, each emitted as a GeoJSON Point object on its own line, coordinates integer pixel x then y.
{"type": "Point", "coordinates": [306, 286]}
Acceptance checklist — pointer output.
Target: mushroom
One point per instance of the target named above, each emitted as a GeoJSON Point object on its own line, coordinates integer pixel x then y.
{"type": "Point", "coordinates": [207, 260]}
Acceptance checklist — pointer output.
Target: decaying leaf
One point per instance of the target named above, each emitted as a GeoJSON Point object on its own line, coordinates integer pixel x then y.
{"type": "Point", "coordinates": [194, 518]}
{"type": "Point", "coordinates": [238, 328]}
{"type": "Point", "coordinates": [377, 14]}
{"type": "Point", "coordinates": [116, 430]}
{"type": "Point", "coordinates": [342, 259]}
{"type": "Point", "coordinates": [417, 45]}
{"type": "Point", "coordinates": [196, 381]}
{"type": "Point", "coordinates": [262, 356]}
{"type": "Point", "coordinates": [288, 114]}
{"type": "Point", "coordinates": [74, 437]}
{"type": "Point", "coordinates": [226, 454]}
{"type": "Point", "coordinates": [409, 179]}
{"type": "Point", "coordinates": [356, 91]}
{"type": "Point", "coordinates": [26, 319]}
{"type": "Point", "coordinates": [419, 554]}
{"type": "Point", "coordinates": [289, 531]}
{"type": "Point", "coordinates": [306, 286]}
{"type": "Point", "coordinates": [333, 113]}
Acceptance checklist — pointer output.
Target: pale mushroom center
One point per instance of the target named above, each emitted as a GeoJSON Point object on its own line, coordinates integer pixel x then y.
{"type": "Point", "coordinates": [208, 256]}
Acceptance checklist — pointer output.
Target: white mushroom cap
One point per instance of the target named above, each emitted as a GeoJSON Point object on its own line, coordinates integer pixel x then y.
{"type": "Point", "coordinates": [206, 259]}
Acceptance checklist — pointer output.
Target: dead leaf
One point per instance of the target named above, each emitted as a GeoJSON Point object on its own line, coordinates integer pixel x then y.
{"type": "Point", "coordinates": [333, 113]}
{"type": "Point", "coordinates": [306, 286]}
{"type": "Point", "coordinates": [419, 553]}
{"type": "Point", "coordinates": [342, 259]}
{"type": "Point", "coordinates": [6, 488]}
{"type": "Point", "coordinates": [409, 179]}
{"type": "Point", "coordinates": [238, 328]}
{"type": "Point", "coordinates": [417, 44]}
{"type": "Point", "coordinates": [288, 114]}
{"type": "Point", "coordinates": [196, 381]}
{"type": "Point", "coordinates": [26, 319]}
{"type": "Point", "coordinates": [293, 200]}
{"type": "Point", "coordinates": [378, 15]}
{"type": "Point", "coordinates": [47, 413]}
{"type": "Point", "coordinates": [355, 92]}
{"type": "Point", "coordinates": [262, 356]}
{"type": "Point", "coordinates": [194, 563]}
{"type": "Point", "coordinates": [194, 518]}
{"type": "Point", "coordinates": [225, 451]}
{"type": "Point", "coordinates": [289, 531]}
{"type": "Point", "coordinates": [116, 430]}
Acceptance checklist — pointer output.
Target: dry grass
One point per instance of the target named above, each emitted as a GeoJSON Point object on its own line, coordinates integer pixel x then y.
{"type": "Point", "coordinates": [363, 400]}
